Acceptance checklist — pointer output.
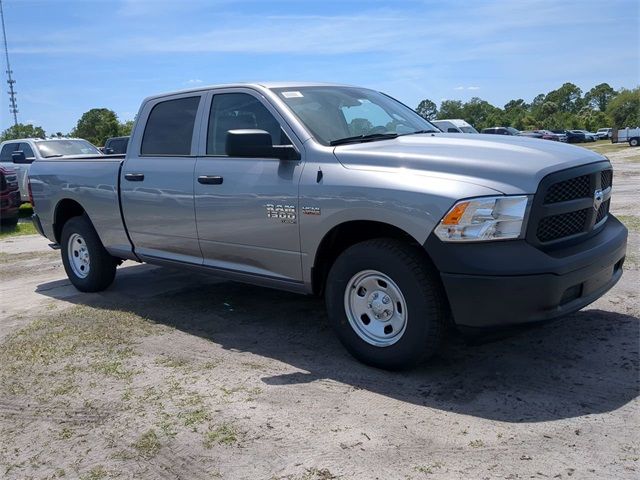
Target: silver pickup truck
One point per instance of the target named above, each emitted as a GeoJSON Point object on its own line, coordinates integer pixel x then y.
{"type": "Point", "coordinates": [344, 192]}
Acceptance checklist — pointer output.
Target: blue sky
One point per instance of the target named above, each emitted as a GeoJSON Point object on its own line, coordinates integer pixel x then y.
{"type": "Point", "coordinates": [69, 56]}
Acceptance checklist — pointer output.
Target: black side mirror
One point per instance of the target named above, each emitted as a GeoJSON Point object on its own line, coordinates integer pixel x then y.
{"type": "Point", "coordinates": [19, 157]}
{"type": "Point", "coordinates": [108, 151]}
{"type": "Point", "coordinates": [257, 143]}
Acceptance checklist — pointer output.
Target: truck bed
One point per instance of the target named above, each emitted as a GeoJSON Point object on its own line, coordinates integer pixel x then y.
{"type": "Point", "coordinates": [93, 182]}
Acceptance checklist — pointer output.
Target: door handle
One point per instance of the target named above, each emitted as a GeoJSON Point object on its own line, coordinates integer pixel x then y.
{"type": "Point", "coordinates": [134, 177]}
{"type": "Point", "coordinates": [210, 179]}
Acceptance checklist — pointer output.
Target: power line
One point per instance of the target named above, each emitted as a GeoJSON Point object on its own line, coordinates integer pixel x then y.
{"type": "Point", "coordinates": [13, 103]}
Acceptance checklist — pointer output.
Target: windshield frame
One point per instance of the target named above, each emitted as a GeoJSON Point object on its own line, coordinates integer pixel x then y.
{"type": "Point", "coordinates": [418, 123]}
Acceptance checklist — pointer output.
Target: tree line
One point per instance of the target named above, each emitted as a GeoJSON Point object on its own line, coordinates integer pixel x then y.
{"type": "Point", "coordinates": [96, 126]}
{"type": "Point", "coordinates": [563, 108]}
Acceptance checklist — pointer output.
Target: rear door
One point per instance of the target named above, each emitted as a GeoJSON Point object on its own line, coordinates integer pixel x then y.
{"type": "Point", "coordinates": [157, 180]}
{"type": "Point", "coordinates": [247, 220]}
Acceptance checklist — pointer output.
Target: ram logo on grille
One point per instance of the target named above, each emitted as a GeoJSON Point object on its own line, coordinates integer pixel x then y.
{"type": "Point", "coordinates": [598, 197]}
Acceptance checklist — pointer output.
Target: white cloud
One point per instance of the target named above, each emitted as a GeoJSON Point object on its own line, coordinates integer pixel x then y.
{"type": "Point", "coordinates": [459, 88]}
{"type": "Point", "coordinates": [193, 81]}
{"type": "Point", "coordinates": [473, 88]}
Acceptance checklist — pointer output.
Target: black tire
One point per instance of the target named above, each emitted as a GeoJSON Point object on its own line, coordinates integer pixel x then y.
{"type": "Point", "coordinates": [102, 268]}
{"type": "Point", "coordinates": [634, 142]}
{"type": "Point", "coordinates": [418, 281]}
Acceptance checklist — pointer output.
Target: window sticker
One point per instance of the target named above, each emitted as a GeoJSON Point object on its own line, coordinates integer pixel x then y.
{"type": "Point", "coordinates": [292, 95]}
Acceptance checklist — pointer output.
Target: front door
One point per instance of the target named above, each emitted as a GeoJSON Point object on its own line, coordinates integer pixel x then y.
{"type": "Point", "coordinates": [247, 208]}
{"type": "Point", "coordinates": [157, 181]}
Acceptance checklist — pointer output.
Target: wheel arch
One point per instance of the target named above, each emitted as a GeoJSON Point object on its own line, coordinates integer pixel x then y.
{"type": "Point", "coordinates": [66, 209]}
{"type": "Point", "coordinates": [345, 235]}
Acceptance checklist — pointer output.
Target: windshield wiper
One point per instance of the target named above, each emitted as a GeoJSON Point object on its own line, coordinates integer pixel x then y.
{"type": "Point", "coordinates": [419, 131]}
{"type": "Point", "coordinates": [363, 138]}
{"type": "Point", "coordinates": [54, 155]}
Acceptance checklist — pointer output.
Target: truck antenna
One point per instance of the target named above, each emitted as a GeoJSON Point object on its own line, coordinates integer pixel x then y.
{"type": "Point", "coordinates": [13, 103]}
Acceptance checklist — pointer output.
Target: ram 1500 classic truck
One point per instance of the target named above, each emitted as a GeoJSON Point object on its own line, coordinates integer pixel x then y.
{"type": "Point", "coordinates": [345, 192]}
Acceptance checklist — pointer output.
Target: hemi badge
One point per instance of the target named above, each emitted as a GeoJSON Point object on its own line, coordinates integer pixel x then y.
{"type": "Point", "coordinates": [311, 210]}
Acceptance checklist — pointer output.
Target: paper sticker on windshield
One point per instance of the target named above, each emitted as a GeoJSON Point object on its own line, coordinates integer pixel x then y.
{"type": "Point", "coordinates": [292, 94]}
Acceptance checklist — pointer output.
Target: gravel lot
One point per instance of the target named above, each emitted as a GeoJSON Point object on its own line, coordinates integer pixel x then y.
{"type": "Point", "coordinates": [172, 375]}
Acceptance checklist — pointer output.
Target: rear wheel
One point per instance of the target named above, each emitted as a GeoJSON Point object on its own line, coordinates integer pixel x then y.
{"type": "Point", "coordinates": [87, 263]}
{"type": "Point", "coordinates": [386, 303]}
{"type": "Point", "coordinates": [633, 142]}
{"type": "Point", "coordinates": [10, 222]}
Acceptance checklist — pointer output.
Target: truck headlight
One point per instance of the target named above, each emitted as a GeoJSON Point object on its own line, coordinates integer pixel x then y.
{"type": "Point", "coordinates": [483, 219]}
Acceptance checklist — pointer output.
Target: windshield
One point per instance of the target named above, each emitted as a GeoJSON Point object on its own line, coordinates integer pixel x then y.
{"type": "Point", "coordinates": [334, 113]}
{"type": "Point", "coordinates": [468, 129]}
{"type": "Point", "coordinates": [59, 148]}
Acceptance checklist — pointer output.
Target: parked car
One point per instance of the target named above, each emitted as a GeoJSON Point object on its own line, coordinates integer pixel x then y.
{"type": "Point", "coordinates": [530, 134]}
{"type": "Point", "coordinates": [9, 197]}
{"type": "Point", "coordinates": [22, 152]}
{"type": "Point", "coordinates": [454, 125]}
{"type": "Point", "coordinates": [549, 135]}
{"type": "Point", "coordinates": [403, 229]}
{"type": "Point", "coordinates": [604, 133]}
{"type": "Point", "coordinates": [573, 136]}
{"type": "Point", "coordinates": [501, 131]}
{"type": "Point", "coordinates": [115, 146]}
{"type": "Point", "coordinates": [588, 136]}
{"type": "Point", "coordinates": [630, 135]}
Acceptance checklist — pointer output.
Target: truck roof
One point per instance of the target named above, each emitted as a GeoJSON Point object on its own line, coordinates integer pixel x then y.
{"type": "Point", "coordinates": [268, 85]}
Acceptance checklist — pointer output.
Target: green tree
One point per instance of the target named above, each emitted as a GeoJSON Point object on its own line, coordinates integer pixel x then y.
{"type": "Point", "coordinates": [22, 130]}
{"type": "Point", "coordinates": [427, 109]}
{"type": "Point", "coordinates": [126, 127]}
{"type": "Point", "coordinates": [624, 108]}
{"type": "Point", "coordinates": [600, 96]}
{"type": "Point", "coordinates": [360, 126]}
{"type": "Point", "coordinates": [515, 112]}
{"type": "Point", "coordinates": [97, 125]}
{"type": "Point", "coordinates": [451, 109]}
{"type": "Point", "coordinates": [481, 114]}
{"type": "Point", "coordinates": [568, 98]}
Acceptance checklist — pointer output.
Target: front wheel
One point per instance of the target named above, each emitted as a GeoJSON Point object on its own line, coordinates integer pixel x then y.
{"type": "Point", "coordinates": [386, 303]}
{"type": "Point", "coordinates": [633, 142]}
{"type": "Point", "coordinates": [89, 266]}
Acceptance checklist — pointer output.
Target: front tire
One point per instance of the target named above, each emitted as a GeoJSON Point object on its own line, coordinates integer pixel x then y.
{"type": "Point", "coordinates": [89, 266]}
{"type": "Point", "coordinates": [386, 303]}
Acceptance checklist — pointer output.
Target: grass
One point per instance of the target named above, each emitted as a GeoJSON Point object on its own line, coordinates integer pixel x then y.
{"type": "Point", "coordinates": [631, 221]}
{"type": "Point", "coordinates": [223, 435]}
{"type": "Point", "coordinates": [604, 146]}
{"type": "Point", "coordinates": [148, 445]}
{"type": "Point", "coordinates": [20, 229]}
{"type": "Point", "coordinates": [26, 210]}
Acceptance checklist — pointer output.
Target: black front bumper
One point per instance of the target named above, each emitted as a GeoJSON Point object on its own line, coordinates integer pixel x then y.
{"type": "Point", "coordinates": [496, 284]}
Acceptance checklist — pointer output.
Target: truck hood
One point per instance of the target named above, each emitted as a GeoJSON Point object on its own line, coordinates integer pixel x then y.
{"type": "Point", "coordinates": [510, 165]}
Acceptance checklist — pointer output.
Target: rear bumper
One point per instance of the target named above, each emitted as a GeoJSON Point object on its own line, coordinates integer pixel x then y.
{"type": "Point", "coordinates": [507, 283]}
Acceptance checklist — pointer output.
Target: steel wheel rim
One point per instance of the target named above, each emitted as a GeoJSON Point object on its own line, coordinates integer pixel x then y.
{"type": "Point", "coordinates": [376, 308]}
{"type": "Point", "coordinates": [78, 254]}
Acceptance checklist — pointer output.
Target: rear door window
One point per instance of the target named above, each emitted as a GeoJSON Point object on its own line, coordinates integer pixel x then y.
{"type": "Point", "coordinates": [169, 128]}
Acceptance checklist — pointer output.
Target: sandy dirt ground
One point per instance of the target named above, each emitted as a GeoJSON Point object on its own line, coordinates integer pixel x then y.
{"type": "Point", "coordinates": [173, 375]}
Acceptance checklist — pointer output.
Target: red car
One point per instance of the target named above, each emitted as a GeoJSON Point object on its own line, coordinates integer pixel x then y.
{"type": "Point", "coordinates": [9, 197]}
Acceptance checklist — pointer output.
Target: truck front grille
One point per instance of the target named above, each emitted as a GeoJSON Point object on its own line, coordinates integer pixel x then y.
{"type": "Point", "coordinates": [570, 204]}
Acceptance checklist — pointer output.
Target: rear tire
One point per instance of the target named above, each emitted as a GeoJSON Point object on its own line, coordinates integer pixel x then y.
{"type": "Point", "coordinates": [89, 266]}
{"type": "Point", "coordinates": [386, 303]}
{"type": "Point", "coordinates": [633, 142]}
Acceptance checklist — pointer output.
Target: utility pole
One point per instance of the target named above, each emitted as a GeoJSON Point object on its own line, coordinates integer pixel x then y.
{"type": "Point", "coordinates": [13, 104]}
